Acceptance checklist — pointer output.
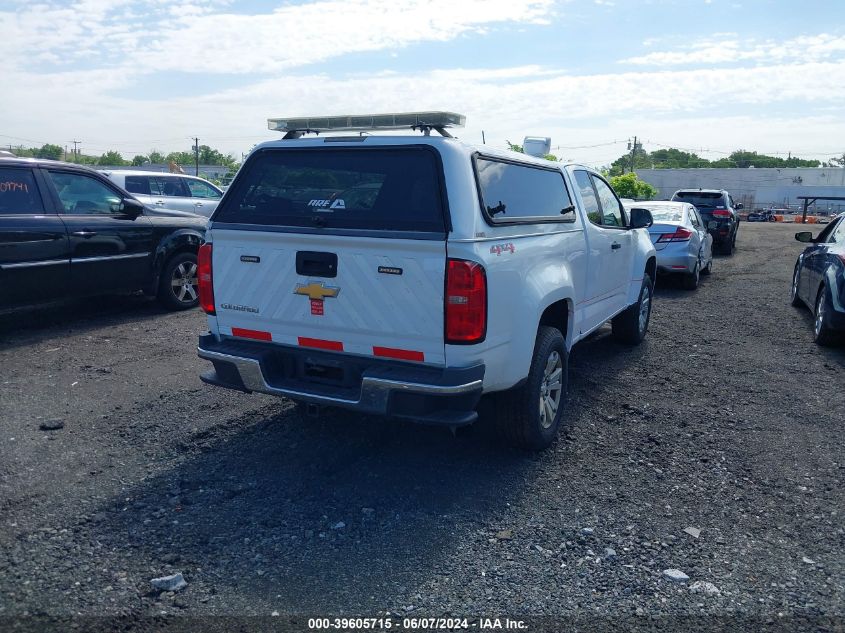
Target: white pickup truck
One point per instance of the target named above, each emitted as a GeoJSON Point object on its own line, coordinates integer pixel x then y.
{"type": "Point", "coordinates": [408, 275]}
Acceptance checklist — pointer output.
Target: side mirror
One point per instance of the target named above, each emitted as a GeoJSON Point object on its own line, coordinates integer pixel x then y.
{"type": "Point", "coordinates": [738, 206]}
{"type": "Point", "coordinates": [640, 218]}
{"type": "Point", "coordinates": [131, 207]}
{"type": "Point", "coordinates": [804, 236]}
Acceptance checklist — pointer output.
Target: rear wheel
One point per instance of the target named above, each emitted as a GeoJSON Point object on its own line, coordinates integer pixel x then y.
{"type": "Point", "coordinates": [178, 287]}
{"type": "Point", "coordinates": [630, 326]}
{"type": "Point", "coordinates": [822, 332]}
{"type": "Point", "coordinates": [708, 268]}
{"type": "Point", "coordinates": [691, 279]}
{"type": "Point", "coordinates": [529, 415]}
{"type": "Point", "coordinates": [793, 291]}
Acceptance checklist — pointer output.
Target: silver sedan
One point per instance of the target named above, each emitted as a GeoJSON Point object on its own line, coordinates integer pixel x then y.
{"type": "Point", "coordinates": [680, 237]}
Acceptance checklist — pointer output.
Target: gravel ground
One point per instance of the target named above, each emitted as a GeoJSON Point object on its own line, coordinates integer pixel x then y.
{"type": "Point", "coordinates": [715, 448]}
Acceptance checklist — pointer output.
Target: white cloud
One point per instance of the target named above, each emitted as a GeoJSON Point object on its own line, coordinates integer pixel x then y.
{"type": "Point", "coordinates": [505, 102]}
{"type": "Point", "coordinates": [188, 37]}
{"type": "Point", "coordinates": [726, 48]}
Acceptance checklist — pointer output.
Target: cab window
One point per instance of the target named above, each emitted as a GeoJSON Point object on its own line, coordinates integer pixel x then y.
{"type": "Point", "coordinates": [172, 186]}
{"type": "Point", "coordinates": [199, 189]}
{"type": "Point", "coordinates": [138, 184]}
{"type": "Point", "coordinates": [588, 196]}
{"type": "Point", "coordinates": [612, 214]}
{"type": "Point", "coordinates": [19, 193]}
{"type": "Point", "coordinates": [84, 195]}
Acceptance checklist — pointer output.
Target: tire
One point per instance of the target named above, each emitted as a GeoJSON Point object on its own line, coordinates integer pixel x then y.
{"type": "Point", "coordinates": [519, 417]}
{"type": "Point", "coordinates": [691, 279]}
{"type": "Point", "coordinates": [630, 326]}
{"type": "Point", "coordinates": [822, 333]}
{"type": "Point", "coordinates": [708, 268]}
{"type": "Point", "coordinates": [794, 299]}
{"type": "Point", "coordinates": [178, 284]}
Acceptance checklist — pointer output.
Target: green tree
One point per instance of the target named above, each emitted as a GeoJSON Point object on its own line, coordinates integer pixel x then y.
{"type": "Point", "coordinates": [112, 158]}
{"type": "Point", "coordinates": [53, 152]}
{"type": "Point", "coordinates": [180, 158]}
{"type": "Point", "coordinates": [642, 160]}
{"type": "Point", "coordinates": [139, 160]}
{"type": "Point", "coordinates": [631, 186]}
{"type": "Point", "coordinates": [156, 157]}
{"type": "Point", "coordinates": [209, 156]}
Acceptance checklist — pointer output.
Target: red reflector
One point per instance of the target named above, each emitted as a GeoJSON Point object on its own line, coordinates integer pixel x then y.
{"type": "Point", "coordinates": [205, 279]}
{"type": "Point", "coordinates": [399, 354]}
{"type": "Point", "coordinates": [721, 213]}
{"type": "Point", "coordinates": [466, 302]}
{"type": "Point", "coordinates": [317, 343]}
{"type": "Point", "coordinates": [680, 235]}
{"type": "Point", "coordinates": [256, 334]}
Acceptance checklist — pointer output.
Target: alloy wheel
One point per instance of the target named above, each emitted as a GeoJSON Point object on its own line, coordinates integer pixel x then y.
{"type": "Point", "coordinates": [551, 389]}
{"type": "Point", "coordinates": [184, 283]}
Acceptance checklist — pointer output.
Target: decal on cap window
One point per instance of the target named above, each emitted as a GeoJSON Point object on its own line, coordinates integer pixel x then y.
{"type": "Point", "coordinates": [328, 204]}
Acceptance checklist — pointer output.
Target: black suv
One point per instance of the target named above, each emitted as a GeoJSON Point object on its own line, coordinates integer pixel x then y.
{"type": "Point", "coordinates": [719, 212]}
{"type": "Point", "coordinates": [68, 231]}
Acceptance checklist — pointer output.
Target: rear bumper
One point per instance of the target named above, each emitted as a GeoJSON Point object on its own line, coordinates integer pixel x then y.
{"type": "Point", "coordinates": [676, 259]}
{"type": "Point", "coordinates": [382, 387]}
{"type": "Point", "coordinates": [723, 231]}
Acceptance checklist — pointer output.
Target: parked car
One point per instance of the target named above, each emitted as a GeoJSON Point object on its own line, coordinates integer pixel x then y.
{"type": "Point", "coordinates": [168, 191]}
{"type": "Point", "coordinates": [819, 280]}
{"type": "Point", "coordinates": [68, 231]}
{"type": "Point", "coordinates": [762, 216]}
{"type": "Point", "coordinates": [719, 212]}
{"type": "Point", "coordinates": [453, 271]}
{"type": "Point", "coordinates": [681, 240]}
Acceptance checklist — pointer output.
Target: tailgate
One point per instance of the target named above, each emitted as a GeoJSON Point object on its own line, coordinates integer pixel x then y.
{"type": "Point", "coordinates": [361, 295]}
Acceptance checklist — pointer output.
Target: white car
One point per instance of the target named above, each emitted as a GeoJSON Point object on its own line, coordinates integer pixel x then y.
{"type": "Point", "coordinates": [160, 190]}
{"type": "Point", "coordinates": [408, 275]}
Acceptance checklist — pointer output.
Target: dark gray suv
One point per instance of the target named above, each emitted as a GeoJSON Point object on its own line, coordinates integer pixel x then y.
{"type": "Point", "coordinates": [719, 212]}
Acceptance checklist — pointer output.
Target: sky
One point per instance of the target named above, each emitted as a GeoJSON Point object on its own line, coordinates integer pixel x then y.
{"type": "Point", "coordinates": [710, 76]}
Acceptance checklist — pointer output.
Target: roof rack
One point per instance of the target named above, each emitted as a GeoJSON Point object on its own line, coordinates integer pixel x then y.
{"type": "Point", "coordinates": [423, 121]}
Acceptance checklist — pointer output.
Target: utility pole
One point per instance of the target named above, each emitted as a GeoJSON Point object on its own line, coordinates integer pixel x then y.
{"type": "Point", "coordinates": [196, 156]}
{"type": "Point", "coordinates": [633, 153]}
{"type": "Point", "coordinates": [75, 151]}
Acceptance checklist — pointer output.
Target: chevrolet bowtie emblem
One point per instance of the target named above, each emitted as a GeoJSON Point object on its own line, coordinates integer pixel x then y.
{"type": "Point", "coordinates": [316, 291]}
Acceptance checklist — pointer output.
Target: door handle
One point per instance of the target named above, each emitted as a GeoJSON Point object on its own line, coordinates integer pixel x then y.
{"type": "Point", "coordinates": [159, 203]}
{"type": "Point", "coordinates": [84, 233]}
{"type": "Point", "coordinates": [616, 246]}
{"type": "Point", "coordinates": [198, 204]}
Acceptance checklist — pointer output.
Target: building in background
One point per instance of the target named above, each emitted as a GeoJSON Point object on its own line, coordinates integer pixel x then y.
{"type": "Point", "coordinates": [763, 188]}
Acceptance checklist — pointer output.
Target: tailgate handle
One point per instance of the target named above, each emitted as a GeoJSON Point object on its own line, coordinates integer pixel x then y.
{"type": "Point", "coordinates": [316, 264]}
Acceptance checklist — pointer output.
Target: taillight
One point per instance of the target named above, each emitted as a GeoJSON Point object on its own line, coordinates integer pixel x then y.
{"type": "Point", "coordinates": [205, 279]}
{"type": "Point", "coordinates": [680, 235]}
{"type": "Point", "coordinates": [721, 213]}
{"type": "Point", "coordinates": [466, 302]}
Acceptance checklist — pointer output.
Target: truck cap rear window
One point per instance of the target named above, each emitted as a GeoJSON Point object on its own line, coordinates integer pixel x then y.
{"type": "Point", "coordinates": [379, 189]}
